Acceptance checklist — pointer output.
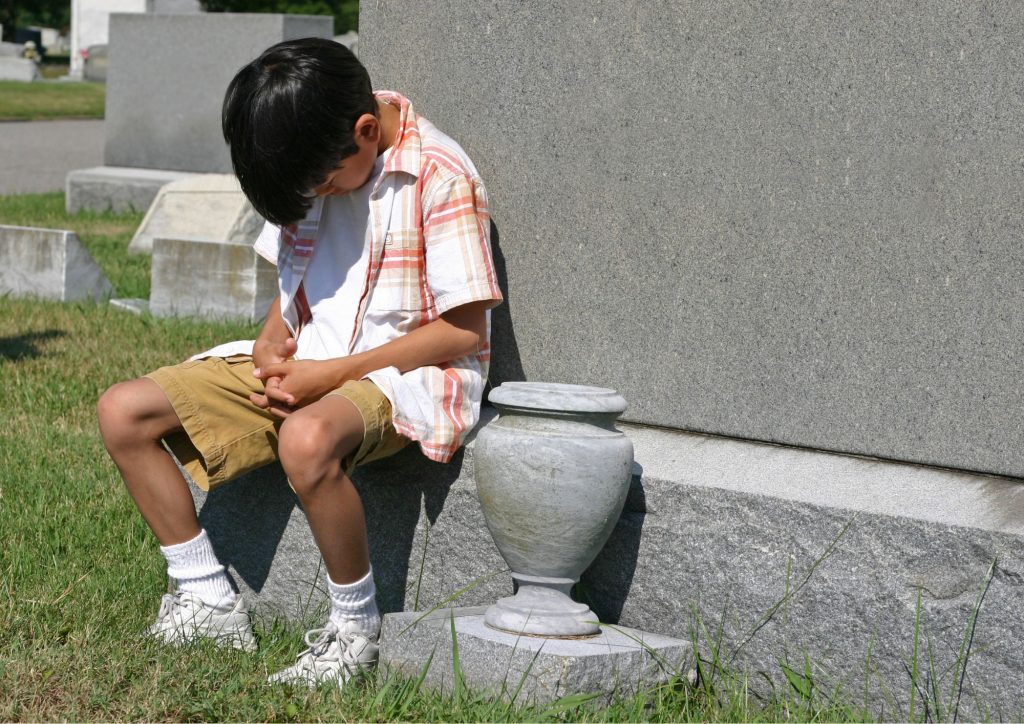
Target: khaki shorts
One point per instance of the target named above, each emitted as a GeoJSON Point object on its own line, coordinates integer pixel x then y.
{"type": "Point", "coordinates": [225, 435]}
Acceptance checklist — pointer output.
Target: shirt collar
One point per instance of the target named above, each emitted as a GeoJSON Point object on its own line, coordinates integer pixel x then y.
{"type": "Point", "coordinates": [404, 154]}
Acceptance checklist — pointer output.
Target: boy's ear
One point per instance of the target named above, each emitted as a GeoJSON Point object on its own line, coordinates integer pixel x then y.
{"type": "Point", "coordinates": [368, 128]}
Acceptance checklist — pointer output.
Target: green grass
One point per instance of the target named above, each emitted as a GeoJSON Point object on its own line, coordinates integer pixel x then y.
{"type": "Point", "coordinates": [105, 235]}
{"type": "Point", "coordinates": [21, 101]}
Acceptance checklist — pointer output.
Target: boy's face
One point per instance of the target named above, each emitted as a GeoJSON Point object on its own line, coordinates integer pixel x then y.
{"type": "Point", "coordinates": [354, 170]}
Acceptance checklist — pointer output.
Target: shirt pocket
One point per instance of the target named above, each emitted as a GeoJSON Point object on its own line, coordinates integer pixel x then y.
{"type": "Point", "coordinates": [400, 285]}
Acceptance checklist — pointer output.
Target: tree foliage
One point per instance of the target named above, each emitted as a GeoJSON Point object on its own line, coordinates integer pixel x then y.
{"type": "Point", "coordinates": [345, 12]}
{"type": "Point", "coordinates": [46, 13]}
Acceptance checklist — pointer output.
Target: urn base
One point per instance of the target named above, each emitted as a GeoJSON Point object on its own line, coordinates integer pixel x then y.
{"type": "Point", "coordinates": [542, 607]}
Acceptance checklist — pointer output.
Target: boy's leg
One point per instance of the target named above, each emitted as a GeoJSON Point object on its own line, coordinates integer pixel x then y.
{"type": "Point", "coordinates": [134, 417]}
{"type": "Point", "coordinates": [313, 446]}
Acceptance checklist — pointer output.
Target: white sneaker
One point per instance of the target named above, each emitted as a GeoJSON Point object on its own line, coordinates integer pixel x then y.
{"type": "Point", "coordinates": [184, 617]}
{"type": "Point", "coordinates": [334, 654]}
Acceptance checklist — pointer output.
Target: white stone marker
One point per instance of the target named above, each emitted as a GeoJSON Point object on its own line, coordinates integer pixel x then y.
{"type": "Point", "coordinates": [211, 279]}
{"type": "Point", "coordinates": [207, 206]}
{"type": "Point", "coordinates": [50, 264]}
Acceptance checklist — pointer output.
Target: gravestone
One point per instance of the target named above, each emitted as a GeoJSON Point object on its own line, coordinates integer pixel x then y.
{"type": "Point", "coordinates": [802, 222]}
{"type": "Point", "coordinates": [207, 206]}
{"type": "Point", "coordinates": [49, 264]}
{"type": "Point", "coordinates": [190, 58]}
{"type": "Point", "coordinates": [21, 69]}
{"type": "Point", "coordinates": [210, 279]}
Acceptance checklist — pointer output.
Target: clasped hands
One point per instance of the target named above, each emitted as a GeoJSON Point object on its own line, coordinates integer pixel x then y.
{"type": "Point", "coordinates": [289, 384]}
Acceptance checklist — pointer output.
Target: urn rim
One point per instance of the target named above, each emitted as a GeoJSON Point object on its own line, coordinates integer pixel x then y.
{"type": "Point", "coordinates": [558, 397]}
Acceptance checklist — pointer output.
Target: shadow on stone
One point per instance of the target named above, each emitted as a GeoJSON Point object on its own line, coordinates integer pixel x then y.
{"type": "Point", "coordinates": [392, 504]}
{"type": "Point", "coordinates": [26, 346]}
{"type": "Point", "coordinates": [506, 364]}
{"type": "Point", "coordinates": [246, 521]}
{"type": "Point", "coordinates": [606, 584]}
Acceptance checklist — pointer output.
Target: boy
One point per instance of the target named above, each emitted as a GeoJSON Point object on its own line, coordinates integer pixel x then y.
{"type": "Point", "coordinates": [379, 228]}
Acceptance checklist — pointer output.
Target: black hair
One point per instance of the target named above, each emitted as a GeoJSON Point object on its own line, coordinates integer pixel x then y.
{"type": "Point", "coordinates": [289, 118]}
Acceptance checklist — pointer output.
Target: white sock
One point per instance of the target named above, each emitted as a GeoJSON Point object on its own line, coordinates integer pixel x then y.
{"type": "Point", "coordinates": [355, 602]}
{"type": "Point", "coordinates": [195, 567]}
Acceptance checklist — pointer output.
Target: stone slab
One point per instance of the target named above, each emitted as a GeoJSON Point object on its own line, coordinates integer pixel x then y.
{"type": "Point", "coordinates": [210, 279]}
{"type": "Point", "coordinates": [208, 206]}
{"type": "Point", "coordinates": [178, 127]}
{"type": "Point", "coordinates": [796, 223]}
{"type": "Point", "coordinates": [526, 669]}
{"type": "Point", "coordinates": [49, 264]}
{"type": "Point", "coordinates": [720, 527]}
{"type": "Point", "coordinates": [131, 304]}
{"type": "Point", "coordinates": [115, 188]}
{"type": "Point", "coordinates": [18, 69]}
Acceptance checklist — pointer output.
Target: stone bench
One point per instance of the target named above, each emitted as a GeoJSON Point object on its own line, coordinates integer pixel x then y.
{"type": "Point", "coordinates": [716, 525]}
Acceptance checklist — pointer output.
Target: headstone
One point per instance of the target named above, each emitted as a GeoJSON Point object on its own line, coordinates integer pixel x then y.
{"type": "Point", "coordinates": [210, 279]}
{"type": "Point", "coordinates": [618, 662]}
{"type": "Point", "coordinates": [49, 264]}
{"type": "Point", "coordinates": [96, 63]}
{"type": "Point", "coordinates": [18, 69]}
{"type": "Point", "coordinates": [11, 50]}
{"type": "Point", "coordinates": [175, 130]}
{"type": "Point", "coordinates": [90, 22]}
{"type": "Point", "coordinates": [191, 59]}
{"type": "Point", "coordinates": [798, 235]}
{"type": "Point", "coordinates": [206, 206]}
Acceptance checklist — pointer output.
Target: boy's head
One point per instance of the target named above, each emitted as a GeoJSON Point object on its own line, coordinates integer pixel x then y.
{"type": "Point", "coordinates": [289, 118]}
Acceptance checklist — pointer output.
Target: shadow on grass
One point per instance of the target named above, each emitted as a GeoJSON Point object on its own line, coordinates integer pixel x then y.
{"type": "Point", "coordinates": [28, 345]}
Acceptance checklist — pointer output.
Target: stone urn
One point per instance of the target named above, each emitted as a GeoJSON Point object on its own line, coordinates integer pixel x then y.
{"type": "Point", "coordinates": [552, 473]}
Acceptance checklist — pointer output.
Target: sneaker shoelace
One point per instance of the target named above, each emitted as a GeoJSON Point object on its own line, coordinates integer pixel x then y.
{"type": "Point", "coordinates": [169, 602]}
{"type": "Point", "coordinates": [319, 641]}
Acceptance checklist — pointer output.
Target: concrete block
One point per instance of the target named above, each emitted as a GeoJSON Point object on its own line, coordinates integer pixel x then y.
{"type": "Point", "coordinates": [210, 279]}
{"type": "Point", "coordinates": [206, 206]}
{"type": "Point", "coordinates": [791, 551]}
{"type": "Point", "coordinates": [115, 188]}
{"type": "Point", "coordinates": [618, 661]}
{"type": "Point", "coordinates": [795, 223]}
{"type": "Point", "coordinates": [164, 103]}
{"type": "Point", "coordinates": [18, 69]}
{"type": "Point", "coordinates": [49, 264]}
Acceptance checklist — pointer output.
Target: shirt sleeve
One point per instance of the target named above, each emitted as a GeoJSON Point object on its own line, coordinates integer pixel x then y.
{"type": "Point", "coordinates": [267, 243]}
{"type": "Point", "coordinates": [457, 237]}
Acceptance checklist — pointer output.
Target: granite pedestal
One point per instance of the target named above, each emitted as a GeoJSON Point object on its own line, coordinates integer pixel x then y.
{"type": "Point", "coordinates": [525, 669]}
{"type": "Point", "coordinates": [115, 188]}
{"type": "Point", "coordinates": [836, 548]}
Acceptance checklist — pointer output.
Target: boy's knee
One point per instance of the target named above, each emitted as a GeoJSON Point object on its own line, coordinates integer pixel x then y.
{"type": "Point", "coordinates": [310, 446]}
{"type": "Point", "coordinates": [115, 411]}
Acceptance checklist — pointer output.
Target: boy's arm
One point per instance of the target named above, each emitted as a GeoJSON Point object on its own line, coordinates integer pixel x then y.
{"type": "Point", "coordinates": [456, 333]}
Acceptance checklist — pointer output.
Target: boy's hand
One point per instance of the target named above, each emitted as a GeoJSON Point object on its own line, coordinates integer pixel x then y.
{"type": "Point", "coordinates": [302, 382]}
{"type": "Point", "coordinates": [268, 353]}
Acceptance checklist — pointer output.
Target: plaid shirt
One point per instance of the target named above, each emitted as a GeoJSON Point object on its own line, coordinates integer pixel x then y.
{"type": "Point", "coordinates": [430, 252]}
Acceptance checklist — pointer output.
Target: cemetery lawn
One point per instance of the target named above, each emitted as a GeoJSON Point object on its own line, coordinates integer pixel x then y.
{"type": "Point", "coordinates": [20, 101]}
{"type": "Point", "coordinates": [81, 575]}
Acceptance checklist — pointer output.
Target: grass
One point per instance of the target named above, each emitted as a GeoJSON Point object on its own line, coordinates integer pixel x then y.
{"type": "Point", "coordinates": [20, 101]}
{"type": "Point", "coordinates": [81, 576]}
